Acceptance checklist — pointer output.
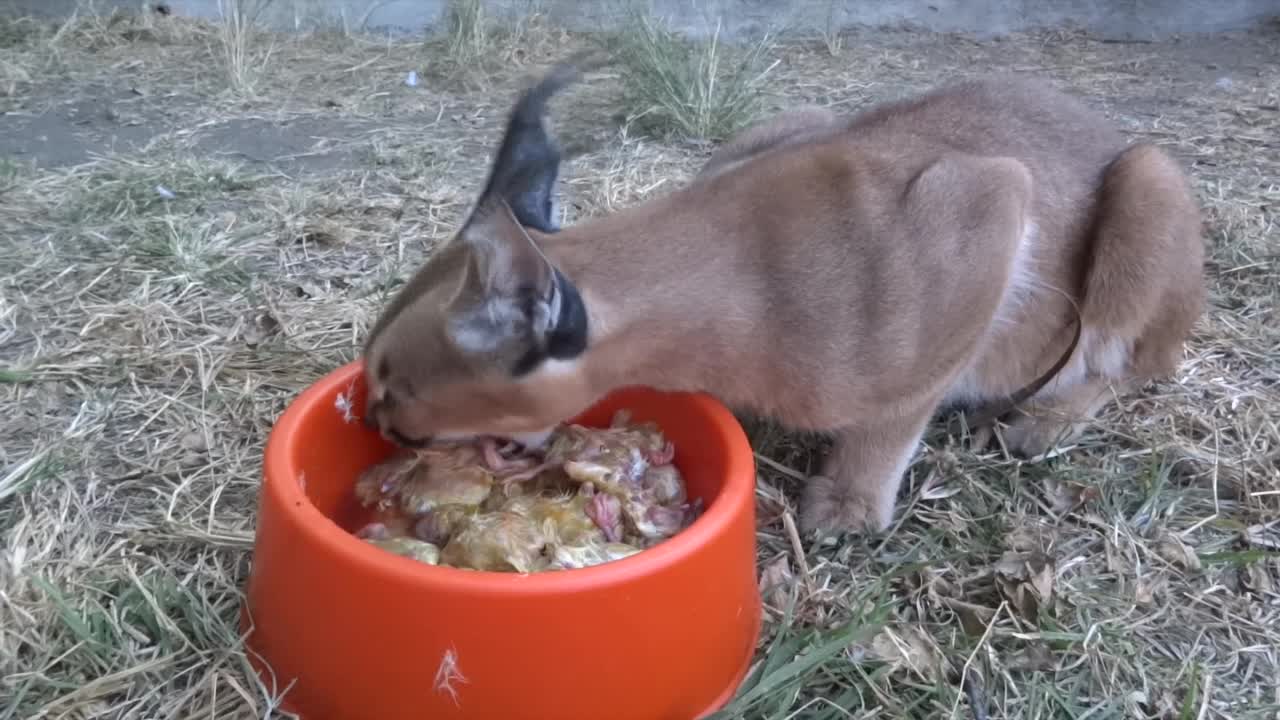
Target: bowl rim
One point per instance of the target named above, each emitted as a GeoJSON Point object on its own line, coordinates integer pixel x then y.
{"type": "Point", "coordinates": [281, 482]}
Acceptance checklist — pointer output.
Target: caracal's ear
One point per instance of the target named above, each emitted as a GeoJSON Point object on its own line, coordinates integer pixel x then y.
{"type": "Point", "coordinates": [519, 193]}
{"type": "Point", "coordinates": [513, 295]}
{"type": "Point", "coordinates": [527, 164]}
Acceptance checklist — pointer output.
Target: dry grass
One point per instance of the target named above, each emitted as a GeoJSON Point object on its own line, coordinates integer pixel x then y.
{"type": "Point", "coordinates": [244, 57]}
{"type": "Point", "coordinates": [468, 32]}
{"type": "Point", "coordinates": [474, 44]}
{"type": "Point", "coordinates": [149, 339]}
{"type": "Point", "coordinates": [676, 89]}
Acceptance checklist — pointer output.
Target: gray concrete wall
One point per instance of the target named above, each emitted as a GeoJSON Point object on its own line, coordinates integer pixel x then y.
{"type": "Point", "coordinates": [1141, 19]}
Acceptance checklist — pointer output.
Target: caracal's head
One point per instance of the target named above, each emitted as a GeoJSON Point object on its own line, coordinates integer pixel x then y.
{"type": "Point", "coordinates": [487, 337]}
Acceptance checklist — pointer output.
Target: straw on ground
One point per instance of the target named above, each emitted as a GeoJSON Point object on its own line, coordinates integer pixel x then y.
{"type": "Point", "coordinates": [149, 339]}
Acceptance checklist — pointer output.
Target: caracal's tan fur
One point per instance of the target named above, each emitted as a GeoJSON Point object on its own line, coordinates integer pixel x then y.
{"type": "Point", "coordinates": [849, 275]}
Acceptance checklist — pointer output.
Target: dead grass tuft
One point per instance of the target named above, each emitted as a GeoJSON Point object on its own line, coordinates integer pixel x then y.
{"type": "Point", "coordinates": [477, 46]}
{"type": "Point", "coordinates": [675, 88]}
{"type": "Point", "coordinates": [468, 32]}
{"type": "Point", "coordinates": [241, 43]}
{"type": "Point", "coordinates": [16, 32]}
{"type": "Point", "coordinates": [17, 36]}
{"type": "Point", "coordinates": [149, 339]}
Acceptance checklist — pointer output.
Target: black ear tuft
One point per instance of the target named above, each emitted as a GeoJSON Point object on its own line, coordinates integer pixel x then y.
{"type": "Point", "coordinates": [527, 165]}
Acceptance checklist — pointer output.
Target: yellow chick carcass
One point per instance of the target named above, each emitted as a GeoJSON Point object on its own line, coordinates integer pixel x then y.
{"type": "Point", "coordinates": [422, 480]}
{"type": "Point", "coordinates": [610, 458]}
{"type": "Point", "coordinates": [411, 548]}
{"type": "Point", "coordinates": [498, 541]}
{"type": "Point", "coordinates": [562, 516]}
{"type": "Point", "coordinates": [393, 530]}
{"type": "Point", "coordinates": [568, 557]}
{"type": "Point", "coordinates": [639, 495]}
{"type": "Point", "coordinates": [594, 496]}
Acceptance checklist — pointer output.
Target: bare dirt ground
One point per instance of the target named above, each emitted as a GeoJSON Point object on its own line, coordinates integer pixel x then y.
{"type": "Point", "coordinates": [190, 235]}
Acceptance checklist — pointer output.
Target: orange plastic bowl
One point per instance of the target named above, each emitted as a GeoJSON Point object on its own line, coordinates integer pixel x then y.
{"type": "Point", "coordinates": [346, 631]}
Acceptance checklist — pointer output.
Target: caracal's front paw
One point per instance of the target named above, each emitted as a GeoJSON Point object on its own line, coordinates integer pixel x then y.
{"type": "Point", "coordinates": [1031, 437]}
{"type": "Point", "coordinates": [831, 507]}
